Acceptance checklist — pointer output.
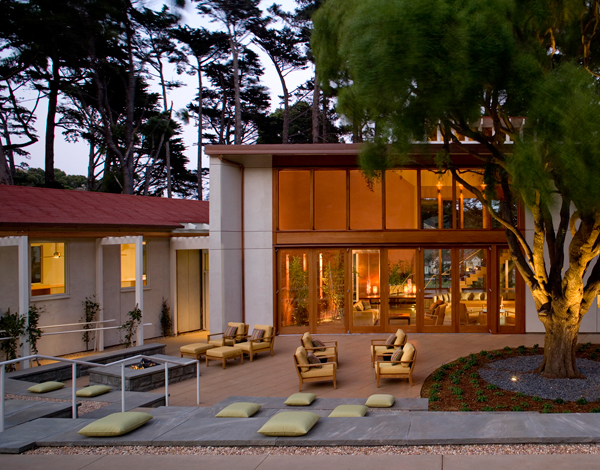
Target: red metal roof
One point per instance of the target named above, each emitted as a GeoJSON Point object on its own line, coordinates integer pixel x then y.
{"type": "Point", "coordinates": [21, 205]}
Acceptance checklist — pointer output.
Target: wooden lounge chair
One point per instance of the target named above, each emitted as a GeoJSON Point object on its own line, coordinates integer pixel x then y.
{"type": "Point", "coordinates": [240, 335]}
{"type": "Point", "coordinates": [330, 351]}
{"type": "Point", "coordinates": [313, 372]}
{"type": "Point", "coordinates": [401, 369]}
{"type": "Point", "coordinates": [254, 346]}
{"type": "Point", "coordinates": [380, 349]}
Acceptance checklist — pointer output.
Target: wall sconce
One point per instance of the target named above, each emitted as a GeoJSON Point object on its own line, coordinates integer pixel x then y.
{"type": "Point", "coordinates": [56, 252]}
{"type": "Point", "coordinates": [375, 290]}
{"type": "Point", "coordinates": [439, 186]}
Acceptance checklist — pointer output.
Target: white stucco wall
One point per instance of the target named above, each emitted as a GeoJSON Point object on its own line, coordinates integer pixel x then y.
{"type": "Point", "coordinates": [226, 243]}
{"type": "Point", "coordinates": [80, 283]}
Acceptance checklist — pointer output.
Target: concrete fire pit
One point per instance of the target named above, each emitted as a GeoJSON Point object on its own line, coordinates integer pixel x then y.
{"type": "Point", "coordinates": [146, 379]}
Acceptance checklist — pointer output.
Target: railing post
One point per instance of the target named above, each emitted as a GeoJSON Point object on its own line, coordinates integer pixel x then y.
{"type": "Point", "coordinates": [74, 390]}
{"type": "Point", "coordinates": [122, 387]}
{"type": "Point", "coordinates": [166, 384]}
{"type": "Point", "coordinates": [1, 397]}
{"type": "Point", "coordinates": [197, 382]}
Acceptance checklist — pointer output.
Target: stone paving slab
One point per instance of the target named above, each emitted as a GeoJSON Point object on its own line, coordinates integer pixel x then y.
{"type": "Point", "coordinates": [23, 437]}
{"type": "Point", "coordinates": [23, 411]}
{"type": "Point", "coordinates": [132, 400]}
{"type": "Point", "coordinates": [567, 428]}
{"type": "Point", "coordinates": [217, 432]}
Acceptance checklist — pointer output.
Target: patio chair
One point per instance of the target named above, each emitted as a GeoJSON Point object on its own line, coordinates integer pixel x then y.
{"type": "Point", "coordinates": [437, 316]}
{"type": "Point", "coordinates": [329, 352]}
{"type": "Point", "coordinates": [466, 317]}
{"type": "Point", "coordinates": [229, 339]}
{"type": "Point", "coordinates": [401, 369]}
{"type": "Point", "coordinates": [313, 372]}
{"type": "Point", "coordinates": [254, 346]}
{"type": "Point", "coordinates": [380, 349]}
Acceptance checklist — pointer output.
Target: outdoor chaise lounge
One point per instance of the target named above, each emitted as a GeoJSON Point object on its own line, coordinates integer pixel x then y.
{"type": "Point", "coordinates": [401, 369]}
{"type": "Point", "coordinates": [328, 349]}
{"type": "Point", "coordinates": [259, 343]}
{"type": "Point", "coordinates": [313, 372]}
{"type": "Point", "coordinates": [379, 348]}
{"type": "Point", "coordinates": [228, 337]}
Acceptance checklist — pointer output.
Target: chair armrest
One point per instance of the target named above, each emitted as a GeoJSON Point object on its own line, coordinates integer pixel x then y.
{"type": "Point", "coordinates": [373, 341]}
{"type": "Point", "coordinates": [326, 342]}
{"type": "Point", "coordinates": [216, 334]}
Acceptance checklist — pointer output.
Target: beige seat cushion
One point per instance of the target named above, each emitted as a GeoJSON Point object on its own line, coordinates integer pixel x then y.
{"type": "Point", "coordinates": [348, 411]}
{"type": "Point", "coordinates": [217, 343]}
{"type": "Point", "coordinates": [380, 400]}
{"type": "Point", "coordinates": [325, 371]}
{"type": "Point", "coordinates": [290, 423]}
{"type": "Point", "coordinates": [301, 358]}
{"type": "Point", "coordinates": [307, 340]}
{"type": "Point", "coordinates": [386, 368]}
{"type": "Point", "coordinates": [116, 424]}
{"type": "Point", "coordinates": [241, 330]}
{"type": "Point", "coordinates": [327, 352]}
{"type": "Point", "coordinates": [225, 351]}
{"type": "Point", "coordinates": [255, 346]}
{"type": "Point", "coordinates": [195, 348]}
{"type": "Point", "coordinates": [268, 330]}
{"type": "Point", "coordinates": [408, 352]}
{"type": "Point", "coordinates": [383, 349]}
{"type": "Point", "coordinates": [300, 399]}
{"type": "Point", "coordinates": [400, 336]}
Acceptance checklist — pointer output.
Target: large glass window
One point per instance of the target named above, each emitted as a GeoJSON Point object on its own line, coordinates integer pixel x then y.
{"type": "Point", "coordinates": [332, 292]}
{"type": "Point", "coordinates": [473, 302]}
{"type": "Point", "coordinates": [294, 200]}
{"type": "Point", "coordinates": [470, 209]}
{"type": "Point", "coordinates": [47, 268]}
{"type": "Point", "coordinates": [366, 288]}
{"type": "Point", "coordinates": [293, 287]}
{"type": "Point", "coordinates": [330, 200]}
{"type": "Point", "coordinates": [128, 265]}
{"type": "Point", "coordinates": [402, 298]}
{"type": "Point", "coordinates": [508, 294]}
{"type": "Point", "coordinates": [437, 274]}
{"type": "Point", "coordinates": [436, 200]}
{"type": "Point", "coordinates": [365, 203]}
{"type": "Point", "coordinates": [401, 199]}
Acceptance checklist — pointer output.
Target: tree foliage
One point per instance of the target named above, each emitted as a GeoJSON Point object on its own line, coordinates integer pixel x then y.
{"type": "Point", "coordinates": [409, 68]}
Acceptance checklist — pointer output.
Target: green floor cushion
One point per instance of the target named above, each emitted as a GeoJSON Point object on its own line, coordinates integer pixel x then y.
{"type": "Point", "coordinates": [93, 391]}
{"type": "Point", "coordinates": [45, 387]}
{"type": "Point", "coordinates": [380, 401]}
{"type": "Point", "coordinates": [290, 423]}
{"type": "Point", "coordinates": [239, 410]}
{"type": "Point", "coordinates": [300, 399]}
{"type": "Point", "coordinates": [116, 424]}
{"type": "Point", "coordinates": [349, 411]}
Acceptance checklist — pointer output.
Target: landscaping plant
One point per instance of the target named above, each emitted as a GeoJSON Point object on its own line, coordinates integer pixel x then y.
{"type": "Point", "coordinates": [166, 324]}
{"type": "Point", "coordinates": [130, 326]}
{"type": "Point", "coordinates": [90, 310]}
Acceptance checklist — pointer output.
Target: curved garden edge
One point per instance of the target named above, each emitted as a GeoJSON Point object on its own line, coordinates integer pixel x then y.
{"type": "Point", "coordinates": [458, 386]}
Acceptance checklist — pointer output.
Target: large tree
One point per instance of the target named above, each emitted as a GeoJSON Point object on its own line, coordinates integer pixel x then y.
{"type": "Point", "coordinates": [415, 66]}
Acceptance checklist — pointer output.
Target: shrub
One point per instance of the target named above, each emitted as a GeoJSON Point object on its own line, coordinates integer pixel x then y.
{"type": "Point", "coordinates": [491, 387]}
{"type": "Point", "coordinates": [517, 408]}
{"type": "Point", "coordinates": [487, 408]}
{"type": "Point", "coordinates": [166, 324]}
{"type": "Point", "coordinates": [464, 407]}
{"type": "Point", "coordinates": [582, 401]}
{"type": "Point", "coordinates": [594, 356]}
{"type": "Point", "coordinates": [559, 401]}
{"type": "Point", "coordinates": [434, 397]}
{"type": "Point", "coordinates": [474, 375]}
{"type": "Point", "coordinates": [483, 353]}
{"type": "Point", "coordinates": [457, 391]}
{"type": "Point", "coordinates": [479, 392]}
{"type": "Point", "coordinates": [536, 398]}
{"type": "Point", "coordinates": [462, 360]}
{"type": "Point", "coordinates": [90, 310]}
{"type": "Point", "coordinates": [455, 379]}
{"type": "Point", "coordinates": [595, 410]}
{"type": "Point", "coordinates": [520, 394]}
{"type": "Point", "coordinates": [501, 407]}
{"type": "Point", "coordinates": [13, 326]}
{"type": "Point", "coordinates": [436, 387]}
{"type": "Point", "coordinates": [521, 349]}
{"type": "Point", "coordinates": [130, 326]}
{"type": "Point", "coordinates": [507, 348]}
{"type": "Point", "coordinates": [482, 399]}
{"type": "Point", "coordinates": [439, 376]}
{"type": "Point", "coordinates": [524, 404]}
{"type": "Point", "coordinates": [499, 394]}
{"type": "Point", "coordinates": [547, 408]}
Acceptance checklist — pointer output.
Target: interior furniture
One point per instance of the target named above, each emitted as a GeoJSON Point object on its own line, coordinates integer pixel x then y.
{"type": "Point", "coordinates": [313, 372]}
{"type": "Point", "coordinates": [330, 351]}
{"type": "Point", "coordinates": [469, 317]}
{"type": "Point", "coordinates": [401, 369]}
{"type": "Point", "coordinates": [223, 353]}
{"type": "Point", "coordinates": [225, 340]}
{"type": "Point", "coordinates": [435, 317]}
{"type": "Point", "coordinates": [195, 350]}
{"type": "Point", "coordinates": [380, 349]}
{"type": "Point", "coordinates": [363, 314]}
{"type": "Point", "coordinates": [255, 346]}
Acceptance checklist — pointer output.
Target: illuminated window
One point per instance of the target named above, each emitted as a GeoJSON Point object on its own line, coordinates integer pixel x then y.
{"type": "Point", "coordinates": [365, 203]}
{"type": "Point", "coordinates": [401, 197]}
{"type": "Point", "coordinates": [47, 269]}
{"type": "Point", "coordinates": [330, 200]}
{"type": "Point", "coordinates": [128, 265]}
{"type": "Point", "coordinates": [294, 200]}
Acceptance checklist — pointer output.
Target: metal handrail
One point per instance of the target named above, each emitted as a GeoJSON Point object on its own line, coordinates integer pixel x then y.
{"type": "Point", "coordinates": [89, 329]}
{"type": "Point", "coordinates": [75, 324]}
{"type": "Point", "coordinates": [74, 363]}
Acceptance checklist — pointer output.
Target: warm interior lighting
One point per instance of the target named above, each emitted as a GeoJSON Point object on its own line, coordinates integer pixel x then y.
{"type": "Point", "coordinates": [414, 289]}
{"type": "Point", "coordinates": [368, 286]}
{"type": "Point", "coordinates": [375, 290]}
{"type": "Point", "coordinates": [56, 252]}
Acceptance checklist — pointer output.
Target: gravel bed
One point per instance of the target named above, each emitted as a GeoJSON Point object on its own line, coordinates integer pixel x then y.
{"type": "Point", "coordinates": [513, 449]}
{"type": "Point", "coordinates": [86, 406]}
{"type": "Point", "coordinates": [501, 373]}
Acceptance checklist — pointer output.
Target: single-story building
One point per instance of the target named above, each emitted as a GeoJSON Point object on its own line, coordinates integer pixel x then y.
{"type": "Point", "coordinates": [59, 247]}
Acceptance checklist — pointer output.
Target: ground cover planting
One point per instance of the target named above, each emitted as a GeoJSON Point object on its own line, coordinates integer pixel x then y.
{"type": "Point", "coordinates": [504, 380]}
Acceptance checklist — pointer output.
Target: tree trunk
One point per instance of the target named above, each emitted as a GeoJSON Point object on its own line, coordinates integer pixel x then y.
{"type": "Point", "coordinates": [5, 176]}
{"type": "Point", "coordinates": [91, 166]}
{"type": "Point", "coordinates": [200, 117]}
{"type": "Point", "coordinates": [315, 111]}
{"type": "Point", "coordinates": [236, 87]}
{"type": "Point", "coordinates": [325, 112]}
{"type": "Point", "coordinates": [560, 345]}
{"type": "Point", "coordinates": [51, 124]}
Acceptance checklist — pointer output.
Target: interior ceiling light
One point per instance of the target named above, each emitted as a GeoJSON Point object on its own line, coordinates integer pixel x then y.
{"type": "Point", "coordinates": [56, 252]}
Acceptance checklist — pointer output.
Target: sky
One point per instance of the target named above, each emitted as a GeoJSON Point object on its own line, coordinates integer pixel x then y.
{"type": "Point", "coordinates": [72, 158]}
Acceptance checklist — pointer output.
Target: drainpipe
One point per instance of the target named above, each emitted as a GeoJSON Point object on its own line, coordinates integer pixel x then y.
{"type": "Point", "coordinates": [241, 167]}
